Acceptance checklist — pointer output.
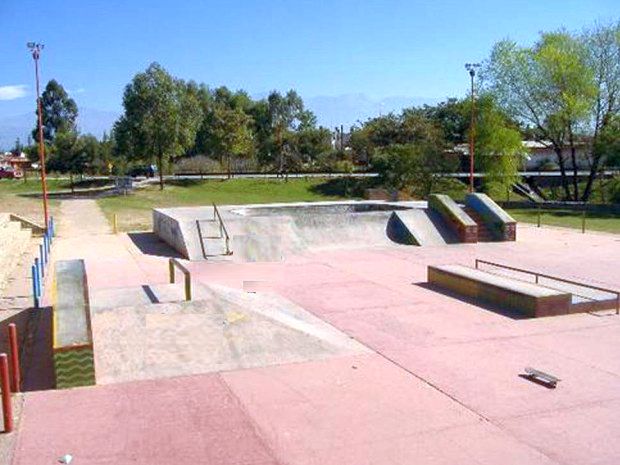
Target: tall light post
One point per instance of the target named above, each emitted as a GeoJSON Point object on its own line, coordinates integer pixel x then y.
{"type": "Point", "coordinates": [471, 68]}
{"type": "Point", "coordinates": [35, 49]}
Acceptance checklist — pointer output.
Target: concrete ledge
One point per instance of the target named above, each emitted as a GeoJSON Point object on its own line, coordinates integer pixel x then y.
{"type": "Point", "coordinates": [71, 331]}
{"type": "Point", "coordinates": [529, 299]}
{"type": "Point", "coordinates": [495, 217]}
{"type": "Point", "coordinates": [460, 222]}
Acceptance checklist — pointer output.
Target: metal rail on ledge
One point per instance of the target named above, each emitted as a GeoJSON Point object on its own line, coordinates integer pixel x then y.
{"type": "Point", "coordinates": [172, 263]}
{"type": "Point", "coordinates": [538, 275]}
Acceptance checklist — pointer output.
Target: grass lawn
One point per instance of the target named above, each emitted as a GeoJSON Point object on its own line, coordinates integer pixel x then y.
{"type": "Point", "coordinates": [13, 200]}
{"type": "Point", "coordinates": [134, 211]}
{"type": "Point", "coordinates": [569, 219]}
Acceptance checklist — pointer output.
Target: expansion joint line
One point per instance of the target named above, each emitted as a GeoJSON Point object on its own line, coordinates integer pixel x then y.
{"type": "Point", "coordinates": [434, 386]}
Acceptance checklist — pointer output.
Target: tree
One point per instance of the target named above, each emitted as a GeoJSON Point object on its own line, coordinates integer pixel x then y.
{"type": "Point", "coordinates": [310, 143]}
{"type": "Point", "coordinates": [161, 117]}
{"type": "Point", "coordinates": [69, 155]}
{"type": "Point", "coordinates": [498, 145]}
{"type": "Point", "coordinates": [59, 112]}
{"type": "Point", "coordinates": [452, 116]}
{"type": "Point", "coordinates": [417, 163]}
{"type": "Point", "coordinates": [603, 57]}
{"type": "Point", "coordinates": [410, 166]}
{"type": "Point", "coordinates": [608, 143]}
{"type": "Point", "coordinates": [230, 133]}
{"type": "Point", "coordinates": [566, 88]}
{"type": "Point", "coordinates": [286, 115]}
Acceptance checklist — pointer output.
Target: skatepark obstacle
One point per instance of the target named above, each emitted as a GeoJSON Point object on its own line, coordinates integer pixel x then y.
{"type": "Point", "coordinates": [558, 296]}
{"type": "Point", "coordinates": [490, 218]}
{"type": "Point", "coordinates": [72, 336]}
{"type": "Point", "coordinates": [464, 227]}
{"type": "Point", "coordinates": [174, 263]}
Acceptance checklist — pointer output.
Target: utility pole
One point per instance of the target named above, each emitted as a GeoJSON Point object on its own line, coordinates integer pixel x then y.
{"type": "Point", "coordinates": [471, 68]}
{"type": "Point", "coordinates": [35, 49]}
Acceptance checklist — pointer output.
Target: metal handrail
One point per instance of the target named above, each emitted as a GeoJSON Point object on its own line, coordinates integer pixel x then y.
{"type": "Point", "coordinates": [172, 263]}
{"type": "Point", "coordinates": [223, 231]}
{"type": "Point", "coordinates": [538, 275]}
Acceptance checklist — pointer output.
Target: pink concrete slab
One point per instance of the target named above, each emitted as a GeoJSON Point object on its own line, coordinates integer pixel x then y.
{"type": "Point", "coordinates": [584, 435]}
{"type": "Point", "coordinates": [184, 420]}
{"type": "Point", "coordinates": [365, 410]}
{"type": "Point", "coordinates": [339, 297]}
{"type": "Point", "coordinates": [586, 345]}
{"type": "Point", "coordinates": [485, 376]}
{"type": "Point", "coordinates": [419, 325]}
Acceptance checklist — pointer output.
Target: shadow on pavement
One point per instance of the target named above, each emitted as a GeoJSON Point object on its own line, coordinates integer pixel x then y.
{"type": "Point", "coordinates": [512, 314]}
{"type": "Point", "coordinates": [34, 333]}
{"type": "Point", "coordinates": [150, 244]}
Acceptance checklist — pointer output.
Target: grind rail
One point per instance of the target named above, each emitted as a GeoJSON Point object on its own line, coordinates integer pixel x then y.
{"type": "Point", "coordinates": [174, 263]}
{"type": "Point", "coordinates": [223, 231]}
{"type": "Point", "coordinates": [538, 275]}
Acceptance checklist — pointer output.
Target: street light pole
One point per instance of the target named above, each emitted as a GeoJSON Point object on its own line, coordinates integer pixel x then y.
{"type": "Point", "coordinates": [36, 48]}
{"type": "Point", "coordinates": [471, 68]}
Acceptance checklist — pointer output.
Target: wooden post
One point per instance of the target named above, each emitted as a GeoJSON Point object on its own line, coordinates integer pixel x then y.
{"type": "Point", "coordinates": [188, 287]}
{"type": "Point", "coordinates": [115, 223]}
{"type": "Point", "coordinates": [171, 270]}
{"type": "Point", "coordinates": [583, 221]}
{"type": "Point", "coordinates": [538, 222]}
{"type": "Point", "coordinates": [7, 407]}
{"type": "Point", "coordinates": [15, 369]}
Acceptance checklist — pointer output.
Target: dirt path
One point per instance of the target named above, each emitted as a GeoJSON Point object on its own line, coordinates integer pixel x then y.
{"type": "Point", "coordinates": [81, 217]}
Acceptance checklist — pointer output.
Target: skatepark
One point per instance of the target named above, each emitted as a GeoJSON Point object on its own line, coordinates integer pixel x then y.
{"type": "Point", "coordinates": [345, 333]}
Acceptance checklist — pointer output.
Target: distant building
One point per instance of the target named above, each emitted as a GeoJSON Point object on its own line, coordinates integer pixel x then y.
{"type": "Point", "coordinates": [18, 162]}
{"type": "Point", "coordinates": [537, 156]}
{"type": "Point", "coordinates": [340, 141]}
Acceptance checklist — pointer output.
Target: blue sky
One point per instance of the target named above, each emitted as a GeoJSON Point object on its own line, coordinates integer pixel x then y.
{"type": "Point", "coordinates": [378, 48]}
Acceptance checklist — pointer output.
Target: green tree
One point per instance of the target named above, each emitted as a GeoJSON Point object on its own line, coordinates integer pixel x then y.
{"type": "Point", "coordinates": [498, 146]}
{"type": "Point", "coordinates": [608, 144]}
{"type": "Point", "coordinates": [70, 155]}
{"type": "Point", "coordinates": [310, 143]}
{"type": "Point", "coordinates": [416, 164]}
{"type": "Point", "coordinates": [59, 112]}
{"type": "Point", "coordinates": [231, 133]}
{"type": "Point", "coordinates": [161, 118]}
{"type": "Point", "coordinates": [566, 88]}
{"type": "Point", "coordinates": [286, 115]}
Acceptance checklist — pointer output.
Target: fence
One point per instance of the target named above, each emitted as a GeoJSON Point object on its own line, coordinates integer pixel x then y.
{"type": "Point", "coordinates": [40, 265]}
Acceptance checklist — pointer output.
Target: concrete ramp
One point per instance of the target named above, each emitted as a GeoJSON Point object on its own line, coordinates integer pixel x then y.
{"type": "Point", "coordinates": [229, 330]}
{"type": "Point", "coordinates": [421, 227]}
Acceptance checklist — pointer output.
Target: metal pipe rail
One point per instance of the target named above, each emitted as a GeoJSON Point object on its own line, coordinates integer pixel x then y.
{"type": "Point", "coordinates": [172, 263]}
{"type": "Point", "coordinates": [538, 275]}
{"type": "Point", "coordinates": [223, 231]}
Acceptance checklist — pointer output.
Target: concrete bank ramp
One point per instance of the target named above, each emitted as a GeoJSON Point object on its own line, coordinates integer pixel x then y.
{"type": "Point", "coordinates": [229, 330]}
{"type": "Point", "coordinates": [422, 227]}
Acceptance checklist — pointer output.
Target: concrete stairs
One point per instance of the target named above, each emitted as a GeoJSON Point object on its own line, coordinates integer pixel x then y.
{"type": "Point", "coordinates": [485, 234]}
{"type": "Point", "coordinates": [14, 246]}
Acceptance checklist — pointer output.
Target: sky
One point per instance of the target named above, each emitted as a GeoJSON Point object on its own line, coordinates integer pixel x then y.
{"type": "Point", "coordinates": [321, 48]}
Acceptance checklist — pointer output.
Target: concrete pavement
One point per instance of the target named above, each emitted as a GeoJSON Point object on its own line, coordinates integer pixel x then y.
{"type": "Point", "coordinates": [439, 383]}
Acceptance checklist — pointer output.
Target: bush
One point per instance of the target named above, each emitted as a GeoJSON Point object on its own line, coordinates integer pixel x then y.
{"type": "Point", "coordinates": [199, 164]}
{"type": "Point", "coordinates": [413, 168]}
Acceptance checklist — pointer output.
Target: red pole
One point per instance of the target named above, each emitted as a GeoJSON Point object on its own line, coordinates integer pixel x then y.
{"type": "Point", "coordinates": [471, 134]}
{"type": "Point", "coordinates": [15, 370]}
{"type": "Point", "coordinates": [35, 55]}
{"type": "Point", "coordinates": [7, 407]}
